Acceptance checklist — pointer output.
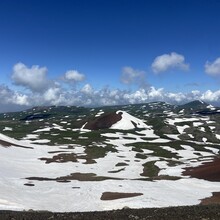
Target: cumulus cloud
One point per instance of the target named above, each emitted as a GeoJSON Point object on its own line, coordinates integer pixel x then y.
{"type": "Point", "coordinates": [51, 94]}
{"type": "Point", "coordinates": [8, 96]}
{"type": "Point", "coordinates": [213, 68]}
{"type": "Point", "coordinates": [88, 96]}
{"type": "Point", "coordinates": [87, 89]}
{"type": "Point", "coordinates": [74, 76]}
{"type": "Point", "coordinates": [42, 91]}
{"type": "Point", "coordinates": [211, 96]}
{"type": "Point", "coordinates": [33, 78]}
{"type": "Point", "coordinates": [12, 100]}
{"type": "Point", "coordinates": [169, 61]}
{"type": "Point", "coordinates": [132, 76]}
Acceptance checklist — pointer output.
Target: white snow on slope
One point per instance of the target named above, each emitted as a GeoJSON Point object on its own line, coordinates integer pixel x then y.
{"type": "Point", "coordinates": [182, 128]}
{"type": "Point", "coordinates": [13, 141]}
{"type": "Point", "coordinates": [172, 121]}
{"type": "Point", "coordinates": [42, 130]}
{"type": "Point", "coordinates": [211, 107]}
{"type": "Point", "coordinates": [8, 129]}
{"type": "Point", "coordinates": [99, 113]}
{"type": "Point", "coordinates": [197, 124]}
{"type": "Point", "coordinates": [173, 136]}
{"type": "Point", "coordinates": [126, 122]}
{"type": "Point", "coordinates": [85, 196]}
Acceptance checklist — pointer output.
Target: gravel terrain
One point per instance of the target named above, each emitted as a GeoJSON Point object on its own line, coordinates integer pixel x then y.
{"type": "Point", "coordinates": [203, 212]}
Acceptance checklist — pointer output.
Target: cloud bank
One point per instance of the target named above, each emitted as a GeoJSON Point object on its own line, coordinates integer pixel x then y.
{"type": "Point", "coordinates": [38, 90]}
{"type": "Point", "coordinates": [88, 96]}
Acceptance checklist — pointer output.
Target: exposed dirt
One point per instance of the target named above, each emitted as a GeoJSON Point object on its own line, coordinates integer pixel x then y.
{"type": "Point", "coordinates": [202, 212]}
{"type": "Point", "coordinates": [117, 195]}
{"type": "Point", "coordinates": [214, 199]}
{"type": "Point", "coordinates": [104, 121]}
{"type": "Point", "coordinates": [208, 171]}
{"type": "Point", "coordinates": [4, 143]}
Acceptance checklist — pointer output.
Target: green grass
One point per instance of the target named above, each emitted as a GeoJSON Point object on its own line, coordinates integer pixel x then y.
{"type": "Point", "coordinates": [150, 170]}
{"type": "Point", "coordinates": [95, 152]}
{"type": "Point", "coordinates": [157, 150]}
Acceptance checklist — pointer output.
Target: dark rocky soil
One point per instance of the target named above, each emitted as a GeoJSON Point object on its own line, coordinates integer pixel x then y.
{"type": "Point", "coordinates": [202, 212]}
{"type": "Point", "coordinates": [104, 121]}
{"type": "Point", "coordinates": [208, 171]}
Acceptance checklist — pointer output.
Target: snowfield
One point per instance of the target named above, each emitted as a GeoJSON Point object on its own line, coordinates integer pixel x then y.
{"type": "Point", "coordinates": [19, 163]}
{"type": "Point", "coordinates": [130, 157]}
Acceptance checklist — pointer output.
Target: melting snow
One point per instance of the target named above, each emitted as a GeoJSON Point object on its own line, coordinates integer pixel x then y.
{"type": "Point", "coordinates": [191, 136]}
{"type": "Point", "coordinates": [182, 128]}
{"type": "Point", "coordinates": [99, 113]}
{"type": "Point", "coordinates": [214, 150]}
{"type": "Point", "coordinates": [128, 122]}
{"type": "Point", "coordinates": [211, 107]}
{"type": "Point", "coordinates": [42, 130]}
{"type": "Point", "coordinates": [173, 136]}
{"type": "Point", "coordinates": [172, 121]}
{"type": "Point", "coordinates": [8, 129]}
{"type": "Point", "coordinates": [197, 124]}
{"type": "Point", "coordinates": [204, 139]}
{"type": "Point", "coordinates": [86, 195]}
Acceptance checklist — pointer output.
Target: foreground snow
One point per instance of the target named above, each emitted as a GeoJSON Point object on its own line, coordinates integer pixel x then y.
{"type": "Point", "coordinates": [64, 197]}
{"type": "Point", "coordinates": [19, 163]}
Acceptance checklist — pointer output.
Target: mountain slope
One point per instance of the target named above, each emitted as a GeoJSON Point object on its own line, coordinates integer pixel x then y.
{"type": "Point", "coordinates": [118, 152]}
{"type": "Point", "coordinates": [120, 120]}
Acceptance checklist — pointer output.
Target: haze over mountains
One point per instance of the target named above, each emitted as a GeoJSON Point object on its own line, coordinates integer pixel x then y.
{"type": "Point", "coordinates": [146, 155]}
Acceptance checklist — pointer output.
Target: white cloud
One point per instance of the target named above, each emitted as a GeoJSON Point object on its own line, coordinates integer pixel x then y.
{"type": "Point", "coordinates": [33, 78]}
{"type": "Point", "coordinates": [47, 92]}
{"type": "Point", "coordinates": [176, 97]}
{"type": "Point", "coordinates": [210, 96]}
{"type": "Point", "coordinates": [8, 96]}
{"type": "Point", "coordinates": [156, 93]}
{"type": "Point", "coordinates": [132, 76]}
{"type": "Point", "coordinates": [87, 89]}
{"type": "Point", "coordinates": [74, 76]}
{"type": "Point", "coordinates": [169, 61]}
{"type": "Point", "coordinates": [20, 99]}
{"type": "Point", "coordinates": [51, 94]}
{"type": "Point", "coordinates": [88, 96]}
{"type": "Point", "coordinates": [213, 68]}
{"type": "Point", "coordinates": [11, 100]}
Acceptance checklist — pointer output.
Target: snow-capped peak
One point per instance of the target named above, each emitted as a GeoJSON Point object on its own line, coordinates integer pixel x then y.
{"type": "Point", "coordinates": [128, 122]}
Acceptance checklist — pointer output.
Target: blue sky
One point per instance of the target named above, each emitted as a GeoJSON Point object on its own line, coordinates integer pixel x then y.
{"type": "Point", "coordinates": [95, 52]}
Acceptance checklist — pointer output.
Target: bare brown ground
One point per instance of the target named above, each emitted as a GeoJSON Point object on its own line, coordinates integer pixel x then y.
{"type": "Point", "coordinates": [104, 121]}
{"type": "Point", "coordinates": [214, 199]}
{"type": "Point", "coordinates": [4, 143]}
{"type": "Point", "coordinates": [208, 171]}
{"type": "Point", "coordinates": [117, 195]}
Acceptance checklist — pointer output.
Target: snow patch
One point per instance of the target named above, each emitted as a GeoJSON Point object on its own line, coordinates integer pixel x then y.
{"type": "Point", "coordinates": [128, 122]}
{"type": "Point", "coordinates": [8, 129]}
